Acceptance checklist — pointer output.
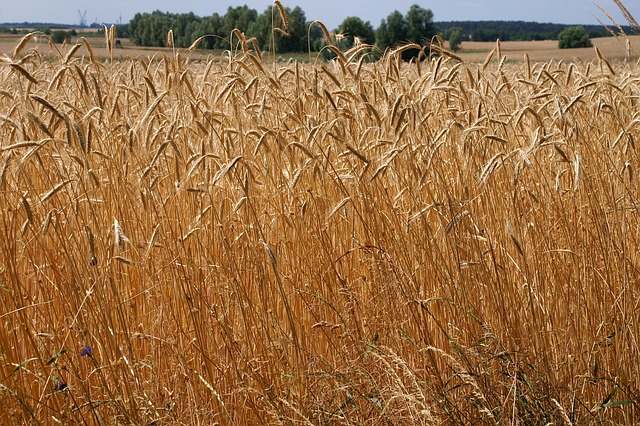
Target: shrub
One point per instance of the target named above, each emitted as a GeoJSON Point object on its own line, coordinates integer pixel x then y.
{"type": "Point", "coordinates": [59, 36]}
{"type": "Point", "coordinates": [573, 37]}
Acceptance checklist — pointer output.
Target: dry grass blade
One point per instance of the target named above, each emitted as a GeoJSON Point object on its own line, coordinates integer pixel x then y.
{"type": "Point", "coordinates": [8, 120]}
{"type": "Point", "coordinates": [455, 221]}
{"type": "Point", "coordinates": [627, 15]}
{"type": "Point", "coordinates": [152, 241]}
{"type": "Point", "coordinates": [151, 109]}
{"type": "Point", "coordinates": [420, 213]}
{"type": "Point", "coordinates": [20, 145]}
{"type": "Point", "coordinates": [53, 190]}
{"type": "Point", "coordinates": [225, 169]}
{"type": "Point", "coordinates": [25, 73]}
{"type": "Point", "coordinates": [337, 208]}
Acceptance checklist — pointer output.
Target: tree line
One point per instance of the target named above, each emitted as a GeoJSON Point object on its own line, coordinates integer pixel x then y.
{"type": "Point", "coordinates": [300, 35]}
{"type": "Point", "coordinates": [517, 30]}
{"type": "Point", "coordinates": [297, 34]}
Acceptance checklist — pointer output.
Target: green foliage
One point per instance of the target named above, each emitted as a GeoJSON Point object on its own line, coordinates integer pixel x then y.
{"type": "Point", "coordinates": [240, 17]}
{"type": "Point", "coordinates": [59, 36]}
{"type": "Point", "coordinates": [355, 27]}
{"type": "Point", "coordinates": [288, 38]}
{"type": "Point", "coordinates": [391, 31]}
{"type": "Point", "coordinates": [416, 27]}
{"type": "Point", "coordinates": [455, 39]}
{"type": "Point", "coordinates": [574, 37]}
{"type": "Point", "coordinates": [515, 30]}
{"type": "Point", "coordinates": [122, 31]}
{"type": "Point", "coordinates": [316, 37]}
{"type": "Point", "coordinates": [420, 27]}
{"type": "Point", "coordinates": [212, 26]}
{"type": "Point", "coordinates": [150, 29]}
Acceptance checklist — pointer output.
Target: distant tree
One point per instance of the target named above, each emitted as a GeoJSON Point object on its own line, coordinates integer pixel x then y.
{"type": "Point", "coordinates": [287, 38]}
{"type": "Point", "coordinates": [261, 28]}
{"type": "Point", "coordinates": [122, 31]}
{"type": "Point", "coordinates": [455, 39]}
{"type": "Point", "coordinates": [420, 27]}
{"type": "Point", "coordinates": [240, 17]}
{"type": "Point", "coordinates": [296, 41]}
{"type": "Point", "coordinates": [416, 27]}
{"type": "Point", "coordinates": [573, 37]}
{"type": "Point", "coordinates": [184, 25]}
{"type": "Point", "coordinates": [391, 31]}
{"type": "Point", "coordinates": [316, 37]}
{"type": "Point", "coordinates": [355, 27]}
{"type": "Point", "coordinates": [150, 29]}
{"type": "Point", "coordinates": [59, 36]}
{"type": "Point", "coordinates": [212, 27]}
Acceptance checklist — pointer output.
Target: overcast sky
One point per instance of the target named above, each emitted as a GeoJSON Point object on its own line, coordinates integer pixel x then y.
{"type": "Point", "coordinates": [331, 12]}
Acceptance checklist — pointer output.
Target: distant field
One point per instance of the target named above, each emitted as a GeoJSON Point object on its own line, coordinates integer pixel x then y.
{"type": "Point", "coordinates": [611, 48]}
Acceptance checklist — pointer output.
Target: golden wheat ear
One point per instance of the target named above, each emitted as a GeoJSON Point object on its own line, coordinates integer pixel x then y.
{"type": "Point", "coordinates": [283, 15]}
{"type": "Point", "coordinates": [22, 44]}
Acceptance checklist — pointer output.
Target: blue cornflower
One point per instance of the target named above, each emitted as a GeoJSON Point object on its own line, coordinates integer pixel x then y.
{"type": "Point", "coordinates": [86, 351]}
{"type": "Point", "coordinates": [61, 385]}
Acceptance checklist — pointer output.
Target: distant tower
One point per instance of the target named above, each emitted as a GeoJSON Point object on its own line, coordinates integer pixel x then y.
{"type": "Point", "coordinates": [83, 18]}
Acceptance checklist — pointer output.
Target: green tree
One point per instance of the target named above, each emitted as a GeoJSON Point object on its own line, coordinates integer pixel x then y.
{"type": "Point", "coordinates": [391, 31]}
{"type": "Point", "coordinates": [353, 27]}
{"type": "Point", "coordinates": [573, 37]}
{"type": "Point", "coordinates": [293, 40]}
{"type": "Point", "coordinates": [240, 17]}
{"type": "Point", "coordinates": [420, 27]}
{"type": "Point", "coordinates": [59, 36]}
{"type": "Point", "coordinates": [316, 37]}
{"type": "Point", "coordinates": [455, 39]}
{"type": "Point", "coordinates": [212, 27]}
{"type": "Point", "coordinates": [296, 41]}
{"type": "Point", "coordinates": [416, 27]}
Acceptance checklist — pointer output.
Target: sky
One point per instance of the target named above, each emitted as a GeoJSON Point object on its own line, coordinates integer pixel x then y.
{"type": "Point", "coordinates": [330, 12]}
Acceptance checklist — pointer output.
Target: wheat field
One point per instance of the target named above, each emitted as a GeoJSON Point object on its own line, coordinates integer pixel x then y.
{"type": "Point", "coordinates": [236, 241]}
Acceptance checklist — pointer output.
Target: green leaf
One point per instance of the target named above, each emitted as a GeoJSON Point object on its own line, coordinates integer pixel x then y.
{"type": "Point", "coordinates": [56, 356]}
{"type": "Point", "coordinates": [22, 364]}
{"type": "Point", "coordinates": [371, 346]}
{"type": "Point", "coordinates": [617, 403]}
